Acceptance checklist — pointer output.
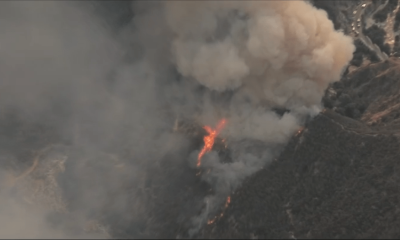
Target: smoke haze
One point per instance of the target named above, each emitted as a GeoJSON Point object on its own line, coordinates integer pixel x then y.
{"type": "Point", "coordinates": [111, 93]}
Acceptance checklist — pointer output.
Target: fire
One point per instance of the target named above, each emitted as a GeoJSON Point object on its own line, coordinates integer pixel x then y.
{"type": "Point", "coordinates": [228, 201]}
{"type": "Point", "coordinates": [211, 221]}
{"type": "Point", "coordinates": [299, 131]}
{"type": "Point", "coordinates": [210, 138]}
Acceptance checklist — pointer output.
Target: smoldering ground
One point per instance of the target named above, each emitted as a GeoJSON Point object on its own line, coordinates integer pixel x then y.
{"type": "Point", "coordinates": [109, 92]}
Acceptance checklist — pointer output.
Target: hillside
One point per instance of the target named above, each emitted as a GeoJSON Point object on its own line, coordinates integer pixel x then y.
{"type": "Point", "coordinates": [337, 178]}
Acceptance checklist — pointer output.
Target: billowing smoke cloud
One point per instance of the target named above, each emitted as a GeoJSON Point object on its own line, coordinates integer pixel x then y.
{"type": "Point", "coordinates": [274, 53]}
{"type": "Point", "coordinates": [111, 95]}
{"type": "Point", "coordinates": [288, 50]}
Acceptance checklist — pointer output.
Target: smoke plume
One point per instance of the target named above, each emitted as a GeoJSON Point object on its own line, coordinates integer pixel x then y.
{"type": "Point", "coordinates": [111, 91]}
{"type": "Point", "coordinates": [274, 53]}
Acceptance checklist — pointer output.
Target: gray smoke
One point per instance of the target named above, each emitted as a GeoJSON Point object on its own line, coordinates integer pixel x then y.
{"type": "Point", "coordinates": [274, 53]}
{"type": "Point", "coordinates": [62, 67]}
{"type": "Point", "coordinates": [114, 93]}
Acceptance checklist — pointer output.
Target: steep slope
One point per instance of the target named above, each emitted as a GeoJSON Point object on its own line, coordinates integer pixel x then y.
{"type": "Point", "coordinates": [336, 179]}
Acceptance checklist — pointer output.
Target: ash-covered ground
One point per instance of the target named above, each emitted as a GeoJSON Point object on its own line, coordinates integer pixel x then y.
{"type": "Point", "coordinates": [103, 104]}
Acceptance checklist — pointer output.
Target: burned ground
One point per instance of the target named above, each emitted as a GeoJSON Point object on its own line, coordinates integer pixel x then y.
{"type": "Point", "coordinates": [337, 179]}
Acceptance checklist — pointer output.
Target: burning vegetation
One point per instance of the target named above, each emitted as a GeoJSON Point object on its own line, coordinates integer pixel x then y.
{"type": "Point", "coordinates": [124, 171]}
{"type": "Point", "coordinates": [210, 139]}
{"type": "Point", "coordinates": [215, 218]}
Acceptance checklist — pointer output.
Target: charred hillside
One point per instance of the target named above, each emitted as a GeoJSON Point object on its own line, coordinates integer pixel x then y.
{"type": "Point", "coordinates": [335, 179]}
{"type": "Point", "coordinates": [143, 121]}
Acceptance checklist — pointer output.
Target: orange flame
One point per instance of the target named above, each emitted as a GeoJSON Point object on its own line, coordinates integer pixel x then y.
{"type": "Point", "coordinates": [211, 221]}
{"type": "Point", "coordinates": [299, 131]}
{"type": "Point", "coordinates": [210, 138]}
{"type": "Point", "coordinates": [228, 201]}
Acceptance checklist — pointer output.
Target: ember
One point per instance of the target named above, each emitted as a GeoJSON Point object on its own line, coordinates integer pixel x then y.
{"type": "Point", "coordinates": [299, 131]}
{"type": "Point", "coordinates": [210, 138]}
{"type": "Point", "coordinates": [211, 221]}
{"type": "Point", "coordinates": [228, 201]}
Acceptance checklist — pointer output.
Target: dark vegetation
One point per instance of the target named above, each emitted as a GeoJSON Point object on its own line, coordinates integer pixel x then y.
{"type": "Point", "coordinates": [361, 52]}
{"type": "Point", "coordinates": [396, 47]}
{"type": "Point", "coordinates": [330, 6]}
{"type": "Point", "coordinates": [338, 12]}
{"type": "Point", "coordinates": [337, 179]}
{"type": "Point", "coordinates": [377, 36]}
{"type": "Point", "coordinates": [382, 15]}
{"type": "Point", "coordinates": [364, 89]}
{"type": "Point", "coordinates": [397, 22]}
